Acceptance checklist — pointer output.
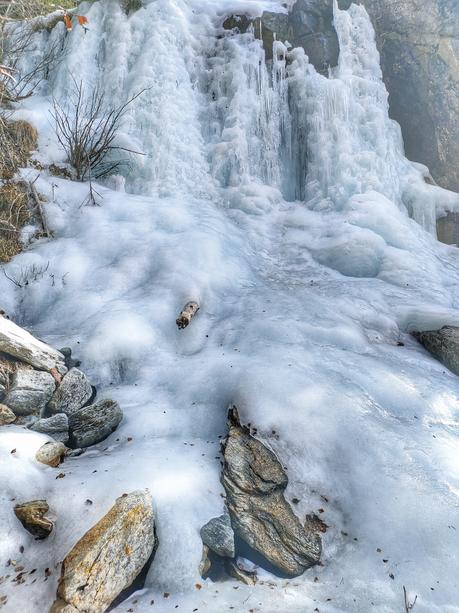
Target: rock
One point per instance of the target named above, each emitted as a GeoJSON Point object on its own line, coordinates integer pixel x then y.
{"type": "Point", "coordinates": [31, 515]}
{"type": "Point", "coordinates": [309, 25]}
{"type": "Point", "coordinates": [254, 482]}
{"type": "Point", "coordinates": [242, 575]}
{"type": "Point", "coordinates": [442, 344]}
{"type": "Point", "coordinates": [94, 423]}
{"type": "Point", "coordinates": [218, 535]}
{"type": "Point", "coordinates": [67, 353]}
{"type": "Point", "coordinates": [20, 344]}
{"type": "Point", "coordinates": [51, 453]}
{"type": "Point", "coordinates": [30, 391]}
{"type": "Point", "coordinates": [56, 426]}
{"type": "Point", "coordinates": [205, 564]}
{"type": "Point", "coordinates": [6, 415]}
{"type": "Point", "coordinates": [72, 394]}
{"type": "Point", "coordinates": [109, 556]}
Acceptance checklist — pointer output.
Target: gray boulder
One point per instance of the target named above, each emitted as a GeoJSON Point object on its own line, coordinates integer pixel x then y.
{"type": "Point", "coordinates": [94, 423]}
{"type": "Point", "coordinates": [254, 481]}
{"type": "Point", "coordinates": [30, 391]}
{"type": "Point", "coordinates": [108, 558]}
{"type": "Point", "coordinates": [442, 344]}
{"type": "Point", "coordinates": [73, 393]}
{"type": "Point", "coordinates": [56, 426]}
{"type": "Point", "coordinates": [218, 535]}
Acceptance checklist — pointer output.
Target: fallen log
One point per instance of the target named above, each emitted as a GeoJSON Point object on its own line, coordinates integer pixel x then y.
{"type": "Point", "coordinates": [187, 314]}
{"type": "Point", "coordinates": [20, 344]}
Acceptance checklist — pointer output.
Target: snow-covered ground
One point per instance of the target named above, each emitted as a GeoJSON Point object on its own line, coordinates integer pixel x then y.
{"type": "Point", "coordinates": [307, 277]}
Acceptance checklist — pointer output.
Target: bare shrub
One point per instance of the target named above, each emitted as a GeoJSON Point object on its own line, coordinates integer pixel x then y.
{"type": "Point", "coordinates": [86, 128]}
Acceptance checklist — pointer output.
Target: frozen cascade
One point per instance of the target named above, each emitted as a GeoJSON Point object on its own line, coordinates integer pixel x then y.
{"type": "Point", "coordinates": [281, 200]}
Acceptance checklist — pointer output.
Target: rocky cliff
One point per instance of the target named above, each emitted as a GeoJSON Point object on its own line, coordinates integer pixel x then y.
{"type": "Point", "coordinates": [419, 46]}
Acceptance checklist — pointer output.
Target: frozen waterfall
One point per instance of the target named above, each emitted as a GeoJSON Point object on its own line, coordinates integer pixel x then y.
{"type": "Point", "coordinates": [281, 200]}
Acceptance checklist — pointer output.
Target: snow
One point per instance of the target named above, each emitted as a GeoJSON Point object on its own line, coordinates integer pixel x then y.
{"type": "Point", "coordinates": [307, 277]}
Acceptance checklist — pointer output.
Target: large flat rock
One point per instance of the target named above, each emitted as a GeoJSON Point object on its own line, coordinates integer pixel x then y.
{"type": "Point", "coordinates": [108, 558]}
{"type": "Point", "coordinates": [20, 344]}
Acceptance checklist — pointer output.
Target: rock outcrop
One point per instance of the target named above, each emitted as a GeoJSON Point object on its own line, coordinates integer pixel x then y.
{"type": "Point", "coordinates": [309, 25]}
{"type": "Point", "coordinates": [108, 558]}
{"type": "Point", "coordinates": [419, 47]}
{"type": "Point", "coordinates": [32, 516]}
{"type": "Point", "coordinates": [94, 423]}
{"type": "Point", "coordinates": [443, 344]}
{"type": "Point", "coordinates": [254, 481]}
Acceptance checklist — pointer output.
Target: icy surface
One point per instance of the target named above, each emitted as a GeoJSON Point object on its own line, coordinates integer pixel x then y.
{"type": "Point", "coordinates": [281, 201]}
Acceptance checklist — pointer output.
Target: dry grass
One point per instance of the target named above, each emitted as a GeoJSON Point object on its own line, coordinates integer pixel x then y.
{"type": "Point", "coordinates": [14, 215]}
{"type": "Point", "coordinates": [17, 141]}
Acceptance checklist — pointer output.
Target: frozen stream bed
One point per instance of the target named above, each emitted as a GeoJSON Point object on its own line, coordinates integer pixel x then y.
{"type": "Point", "coordinates": [310, 278]}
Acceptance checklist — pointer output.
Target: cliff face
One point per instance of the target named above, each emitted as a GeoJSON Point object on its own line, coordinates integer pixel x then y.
{"type": "Point", "coordinates": [419, 46]}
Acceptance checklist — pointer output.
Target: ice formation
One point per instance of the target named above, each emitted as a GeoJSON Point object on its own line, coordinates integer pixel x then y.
{"type": "Point", "coordinates": [282, 202]}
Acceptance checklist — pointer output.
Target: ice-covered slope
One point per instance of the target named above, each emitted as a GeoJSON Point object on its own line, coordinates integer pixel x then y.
{"type": "Point", "coordinates": [283, 203]}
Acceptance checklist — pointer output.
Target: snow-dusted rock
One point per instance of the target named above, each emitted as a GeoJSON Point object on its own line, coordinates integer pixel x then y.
{"type": "Point", "coordinates": [442, 344]}
{"type": "Point", "coordinates": [255, 481]}
{"type": "Point", "coordinates": [30, 391]}
{"type": "Point", "coordinates": [20, 344]}
{"type": "Point", "coordinates": [94, 423]}
{"type": "Point", "coordinates": [31, 515]}
{"type": "Point", "coordinates": [218, 535]}
{"type": "Point", "coordinates": [56, 426]}
{"type": "Point", "coordinates": [109, 556]}
{"type": "Point", "coordinates": [51, 453]}
{"type": "Point", "coordinates": [6, 415]}
{"type": "Point", "coordinates": [73, 393]}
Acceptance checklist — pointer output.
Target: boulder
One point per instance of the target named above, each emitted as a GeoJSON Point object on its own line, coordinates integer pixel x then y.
{"type": "Point", "coordinates": [218, 535]}
{"type": "Point", "coordinates": [94, 423]}
{"type": "Point", "coordinates": [442, 344]}
{"type": "Point", "coordinates": [6, 415]}
{"type": "Point", "coordinates": [108, 558]}
{"type": "Point", "coordinates": [72, 394]}
{"type": "Point", "coordinates": [254, 481]}
{"type": "Point", "coordinates": [56, 426]}
{"type": "Point", "coordinates": [30, 391]}
{"type": "Point", "coordinates": [20, 344]}
{"type": "Point", "coordinates": [51, 453]}
{"type": "Point", "coordinates": [31, 515]}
